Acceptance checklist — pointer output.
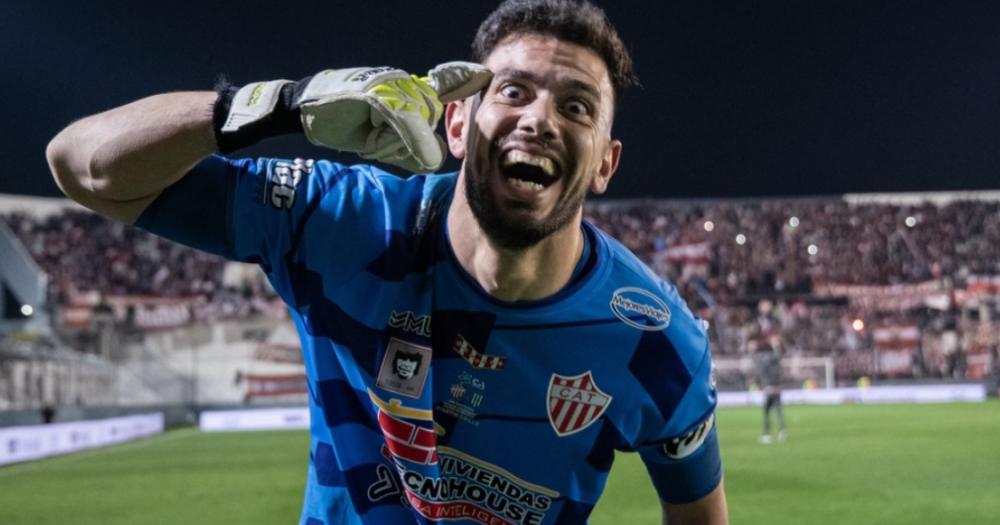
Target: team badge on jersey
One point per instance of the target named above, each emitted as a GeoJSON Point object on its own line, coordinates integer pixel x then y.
{"type": "Point", "coordinates": [404, 368]}
{"type": "Point", "coordinates": [574, 403]}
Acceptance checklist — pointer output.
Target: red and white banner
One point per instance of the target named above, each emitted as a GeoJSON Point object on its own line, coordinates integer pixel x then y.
{"type": "Point", "coordinates": [895, 346]}
{"type": "Point", "coordinates": [890, 298]}
{"type": "Point", "coordinates": [693, 258]}
{"type": "Point", "coordinates": [984, 284]}
{"type": "Point", "coordinates": [260, 385]}
{"type": "Point", "coordinates": [278, 353]}
{"type": "Point", "coordinates": [695, 253]}
{"type": "Point", "coordinates": [160, 316]}
{"type": "Point", "coordinates": [896, 337]}
{"type": "Point", "coordinates": [978, 288]}
{"type": "Point", "coordinates": [146, 312]}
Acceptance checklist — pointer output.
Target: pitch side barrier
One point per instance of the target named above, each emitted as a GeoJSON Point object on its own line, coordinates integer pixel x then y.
{"type": "Point", "coordinates": [293, 418]}
{"type": "Point", "coordinates": [286, 418]}
{"type": "Point", "coordinates": [27, 443]}
{"type": "Point", "coordinates": [951, 393]}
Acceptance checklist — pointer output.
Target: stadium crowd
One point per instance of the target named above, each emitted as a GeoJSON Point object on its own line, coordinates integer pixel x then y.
{"type": "Point", "coordinates": [788, 245]}
{"type": "Point", "coordinates": [757, 268]}
{"type": "Point", "coordinates": [752, 268]}
{"type": "Point", "coordinates": [81, 251]}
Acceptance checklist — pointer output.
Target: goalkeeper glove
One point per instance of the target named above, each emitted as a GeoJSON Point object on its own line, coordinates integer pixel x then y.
{"type": "Point", "coordinates": [383, 114]}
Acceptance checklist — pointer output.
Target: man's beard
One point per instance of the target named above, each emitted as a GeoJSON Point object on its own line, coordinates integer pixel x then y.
{"type": "Point", "coordinates": [499, 228]}
{"type": "Point", "coordinates": [505, 231]}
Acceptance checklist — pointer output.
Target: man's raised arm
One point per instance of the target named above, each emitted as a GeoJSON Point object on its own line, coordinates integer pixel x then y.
{"type": "Point", "coordinates": [118, 161]}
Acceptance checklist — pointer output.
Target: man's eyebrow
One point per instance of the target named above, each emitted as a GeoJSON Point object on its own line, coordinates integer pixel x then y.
{"type": "Point", "coordinates": [534, 78]}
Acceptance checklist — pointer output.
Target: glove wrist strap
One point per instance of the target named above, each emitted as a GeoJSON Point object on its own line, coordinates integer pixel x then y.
{"type": "Point", "coordinates": [244, 116]}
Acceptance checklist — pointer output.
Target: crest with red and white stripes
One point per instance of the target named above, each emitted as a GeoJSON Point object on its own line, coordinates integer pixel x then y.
{"type": "Point", "coordinates": [575, 403]}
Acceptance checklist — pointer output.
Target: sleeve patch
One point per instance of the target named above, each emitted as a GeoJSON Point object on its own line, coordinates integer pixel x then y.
{"type": "Point", "coordinates": [282, 181]}
{"type": "Point", "coordinates": [683, 446]}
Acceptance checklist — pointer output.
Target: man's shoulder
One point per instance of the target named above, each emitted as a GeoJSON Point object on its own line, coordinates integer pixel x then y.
{"type": "Point", "coordinates": [628, 269]}
{"type": "Point", "coordinates": [644, 300]}
{"type": "Point", "coordinates": [414, 200]}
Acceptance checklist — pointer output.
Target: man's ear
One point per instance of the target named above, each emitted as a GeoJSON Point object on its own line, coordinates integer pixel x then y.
{"type": "Point", "coordinates": [609, 164]}
{"type": "Point", "coordinates": [454, 128]}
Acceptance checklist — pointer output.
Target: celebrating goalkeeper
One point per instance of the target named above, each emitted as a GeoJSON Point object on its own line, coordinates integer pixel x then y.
{"type": "Point", "coordinates": [476, 351]}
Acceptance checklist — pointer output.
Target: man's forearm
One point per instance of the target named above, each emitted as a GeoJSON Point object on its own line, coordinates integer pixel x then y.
{"type": "Point", "coordinates": [118, 161]}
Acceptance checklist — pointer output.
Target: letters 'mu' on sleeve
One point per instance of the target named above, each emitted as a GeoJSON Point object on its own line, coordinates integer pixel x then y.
{"type": "Point", "coordinates": [268, 211]}
{"type": "Point", "coordinates": [686, 465]}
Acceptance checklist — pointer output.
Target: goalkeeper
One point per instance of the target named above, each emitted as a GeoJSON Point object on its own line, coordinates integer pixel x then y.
{"type": "Point", "coordinates": [475, 351]}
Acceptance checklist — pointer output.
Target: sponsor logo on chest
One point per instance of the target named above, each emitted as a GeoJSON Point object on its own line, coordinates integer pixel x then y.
{"type": "Point", "coordinates": [575, 403]}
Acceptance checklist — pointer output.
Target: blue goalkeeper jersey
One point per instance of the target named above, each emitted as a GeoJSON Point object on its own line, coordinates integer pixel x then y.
{"type": "Point", "coordinates": [430, 399]}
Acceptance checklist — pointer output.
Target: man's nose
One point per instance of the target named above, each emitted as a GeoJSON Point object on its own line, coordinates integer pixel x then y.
{"type": "Point", "coordinates": [538, 119]}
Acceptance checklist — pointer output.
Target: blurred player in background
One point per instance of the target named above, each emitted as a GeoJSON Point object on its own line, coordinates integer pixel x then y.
{"type": "Point", "coordinates": [767, 365]}
{"type": "Point", "coordinates": [995, 368]}
{"type": "Point", "coordinates": [475, 350]}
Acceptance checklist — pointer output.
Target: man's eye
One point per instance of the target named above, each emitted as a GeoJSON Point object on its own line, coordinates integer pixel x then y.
{"type": "Point", "coordinates": [577, 107]}
{"type": "Point", "coordinates": [511, 91]}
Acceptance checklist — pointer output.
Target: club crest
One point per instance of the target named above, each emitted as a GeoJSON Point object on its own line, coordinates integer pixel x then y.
{"type": "Point", "coordinates": [574, 403]}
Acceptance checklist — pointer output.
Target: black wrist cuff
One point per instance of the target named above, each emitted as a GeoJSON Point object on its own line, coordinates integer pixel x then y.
{"type": "Point", "coordinates": [283, 120]}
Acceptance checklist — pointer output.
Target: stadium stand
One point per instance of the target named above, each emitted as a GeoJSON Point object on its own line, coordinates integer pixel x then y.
{"type": "Point", "coordinates": [887, 287]}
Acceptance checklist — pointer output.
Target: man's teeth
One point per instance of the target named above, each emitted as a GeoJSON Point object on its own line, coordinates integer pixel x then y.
{"type": "Point", "coordinates": [527, 185]}
{"type": "Point", "coordinates": [516, 157]}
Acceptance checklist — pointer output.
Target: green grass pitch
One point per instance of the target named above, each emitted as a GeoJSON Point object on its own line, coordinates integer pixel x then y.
{"type": "Point", "coordinates": [879, 464]}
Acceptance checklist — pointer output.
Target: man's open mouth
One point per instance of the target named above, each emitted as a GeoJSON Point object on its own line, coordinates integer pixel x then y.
{"type": "Point", "coordinates": [528, 171]}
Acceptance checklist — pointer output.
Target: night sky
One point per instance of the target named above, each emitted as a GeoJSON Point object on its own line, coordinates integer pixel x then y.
{"type": "Point", "coordinates": [739, 98]}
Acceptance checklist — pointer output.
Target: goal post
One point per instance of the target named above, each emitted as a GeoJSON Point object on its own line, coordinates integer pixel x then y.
{"type": "Point", "coordinates": [737, 373]}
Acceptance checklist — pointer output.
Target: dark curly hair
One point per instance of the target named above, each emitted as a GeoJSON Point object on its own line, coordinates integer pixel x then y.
{"type": "Point", "coordinates": [576, 21]}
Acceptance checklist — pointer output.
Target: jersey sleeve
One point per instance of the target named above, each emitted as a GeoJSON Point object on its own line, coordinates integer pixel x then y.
{"type": "Point", "coordinates": [272, 212]}
{"type": "Point", "coordinates": [683, 459]}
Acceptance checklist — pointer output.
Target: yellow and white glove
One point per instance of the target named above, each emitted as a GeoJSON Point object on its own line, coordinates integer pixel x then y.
{"type": "Point", "coordinates": [382, 114]}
